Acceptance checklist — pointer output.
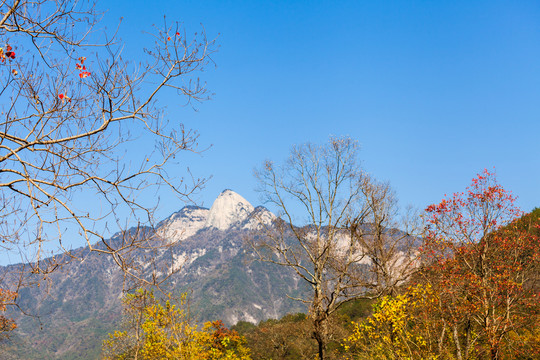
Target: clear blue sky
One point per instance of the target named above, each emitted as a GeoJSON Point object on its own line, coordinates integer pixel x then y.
{"type": "Point", "coordinates": [434, 91]}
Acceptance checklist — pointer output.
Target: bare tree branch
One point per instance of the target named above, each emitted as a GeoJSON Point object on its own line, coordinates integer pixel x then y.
{"type": "Point", "coordinates": [72, 112]}
{"type": "Point", "coordinates": [348, 246]}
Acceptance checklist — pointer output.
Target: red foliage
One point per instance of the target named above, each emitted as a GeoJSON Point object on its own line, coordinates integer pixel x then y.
{"type": "Point", "coordinates": [8, 54]}
{"type": "Point", "coordinates": [220, 332]}
{"type": "Point", "coordinates": [468, 217]}
{"type": "Point", "coordinates": [82, 68]}
{"type": "Point", "coordinates": [483, 272]}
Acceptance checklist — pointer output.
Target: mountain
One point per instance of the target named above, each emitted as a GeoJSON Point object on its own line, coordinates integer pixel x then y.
{"type": "Point", "coordinates": [79, 304]}
{"type": "Point", "coordinates": [229, 210]}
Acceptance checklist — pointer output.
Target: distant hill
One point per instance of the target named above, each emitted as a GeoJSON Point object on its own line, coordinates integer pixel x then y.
{"type": "Point", "coordinates": [82, 301]}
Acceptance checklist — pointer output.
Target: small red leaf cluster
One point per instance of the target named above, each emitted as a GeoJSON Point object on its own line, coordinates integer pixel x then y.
{"type": "Point", "coordinates": [177, 35]}
{"type": "Point", "coordinates": [82, 68]}
{"type": "Point", "coordinates": [8, 54]}
{"type": "Point", "coordinates": [63, 97]}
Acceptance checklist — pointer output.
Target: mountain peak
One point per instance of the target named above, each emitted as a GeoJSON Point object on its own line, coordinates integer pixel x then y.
{"type": "Point", "coordinates": [184, 223]}
{"type": "Point", "coordinates": [229, 208]}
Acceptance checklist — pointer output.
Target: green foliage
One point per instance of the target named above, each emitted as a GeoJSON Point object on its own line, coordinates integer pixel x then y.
{"type": "Point", "coordinates": [356, 309]}
{"type": "Point", "coordinates": [243, 327]}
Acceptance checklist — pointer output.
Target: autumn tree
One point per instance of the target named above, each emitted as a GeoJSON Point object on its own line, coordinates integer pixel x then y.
{"type": "Point", "coordinates": [162, 329]}
{"type": "Point", "coordinates": [83, 134]}
{"type": "Point", "coordinates": [475, 295]}
{"type": "Point", "coordinates": [483, 263]}
{"type": "Point", "coordinates": [286, 338]}
{"type": "Point", "coordinates": [348, 245]}
{"type": "Point", "coordinates": [6, 324]}
{"type": "Point", "coordinates": [217, 342]}
{"type": "Point", "coordinates": [401, 327]}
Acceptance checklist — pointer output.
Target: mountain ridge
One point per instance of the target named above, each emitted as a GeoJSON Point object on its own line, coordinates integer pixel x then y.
{"type": "Point", "coordinates": [228, 210]}
{"type": "Point", "coordinates": [82, 301]}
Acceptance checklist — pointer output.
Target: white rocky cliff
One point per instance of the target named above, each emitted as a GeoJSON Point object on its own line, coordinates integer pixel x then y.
{"type": "Point", "coordinates": [184, 223]}
{"type": "Point", "coordinates": [228, 209]}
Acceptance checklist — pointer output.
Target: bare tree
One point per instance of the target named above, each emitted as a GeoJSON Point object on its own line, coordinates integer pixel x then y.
{"type": "Point", "coordinates": [82, 133]}
{"type": "Point", "coordinates": [348, 246]}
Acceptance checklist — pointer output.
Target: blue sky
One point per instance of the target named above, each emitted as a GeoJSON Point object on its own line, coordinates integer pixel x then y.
{"type": "Point", "coordinates": [434, 91]}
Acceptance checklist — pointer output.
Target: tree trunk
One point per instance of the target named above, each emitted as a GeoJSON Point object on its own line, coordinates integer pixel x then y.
{"type": "Point", "coordinates": [468, 339]}
{"type": "Point", "coordinates": [494, 351]}
{"type": "Point", "coordinates": [458, 344]}
{"type": "Point", "coordinates": [321, 350]}
{"type": "Point", "coordinates": [320, 335]}
{"type": "Point", "coordinates": [441, 338]}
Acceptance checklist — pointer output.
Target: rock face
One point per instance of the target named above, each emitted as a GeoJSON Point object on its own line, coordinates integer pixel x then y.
{"type": "Point", "coordinates": [184, 223]}
{"type": "Point", "coordinates": [82, 303]}
{"type": "Point", "coordinates": [227, 210]}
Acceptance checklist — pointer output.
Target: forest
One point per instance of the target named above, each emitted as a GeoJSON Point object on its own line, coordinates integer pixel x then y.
{"type": "Point", "coordinates": [471, 295]}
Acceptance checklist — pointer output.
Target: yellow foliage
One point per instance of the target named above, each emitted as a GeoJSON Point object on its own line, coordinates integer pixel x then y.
{"type": "Point", "coordinates": [6, 297]}
{"type": "Point", "coordinates": [161, 330]}
{"type": "Point", "coordinates": [395, 330]}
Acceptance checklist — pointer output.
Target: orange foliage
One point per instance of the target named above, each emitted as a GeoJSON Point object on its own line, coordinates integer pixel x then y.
{"type": "Point", "coordinates": [6, 297]}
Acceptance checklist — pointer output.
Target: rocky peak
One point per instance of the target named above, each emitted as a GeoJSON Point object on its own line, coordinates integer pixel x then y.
{"type": "Point", "coordinates": [184, 223]}
{"type": "Point", "coordinates": [228, 209]}
{"type": "Point", "coordinates": [259, 218]}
